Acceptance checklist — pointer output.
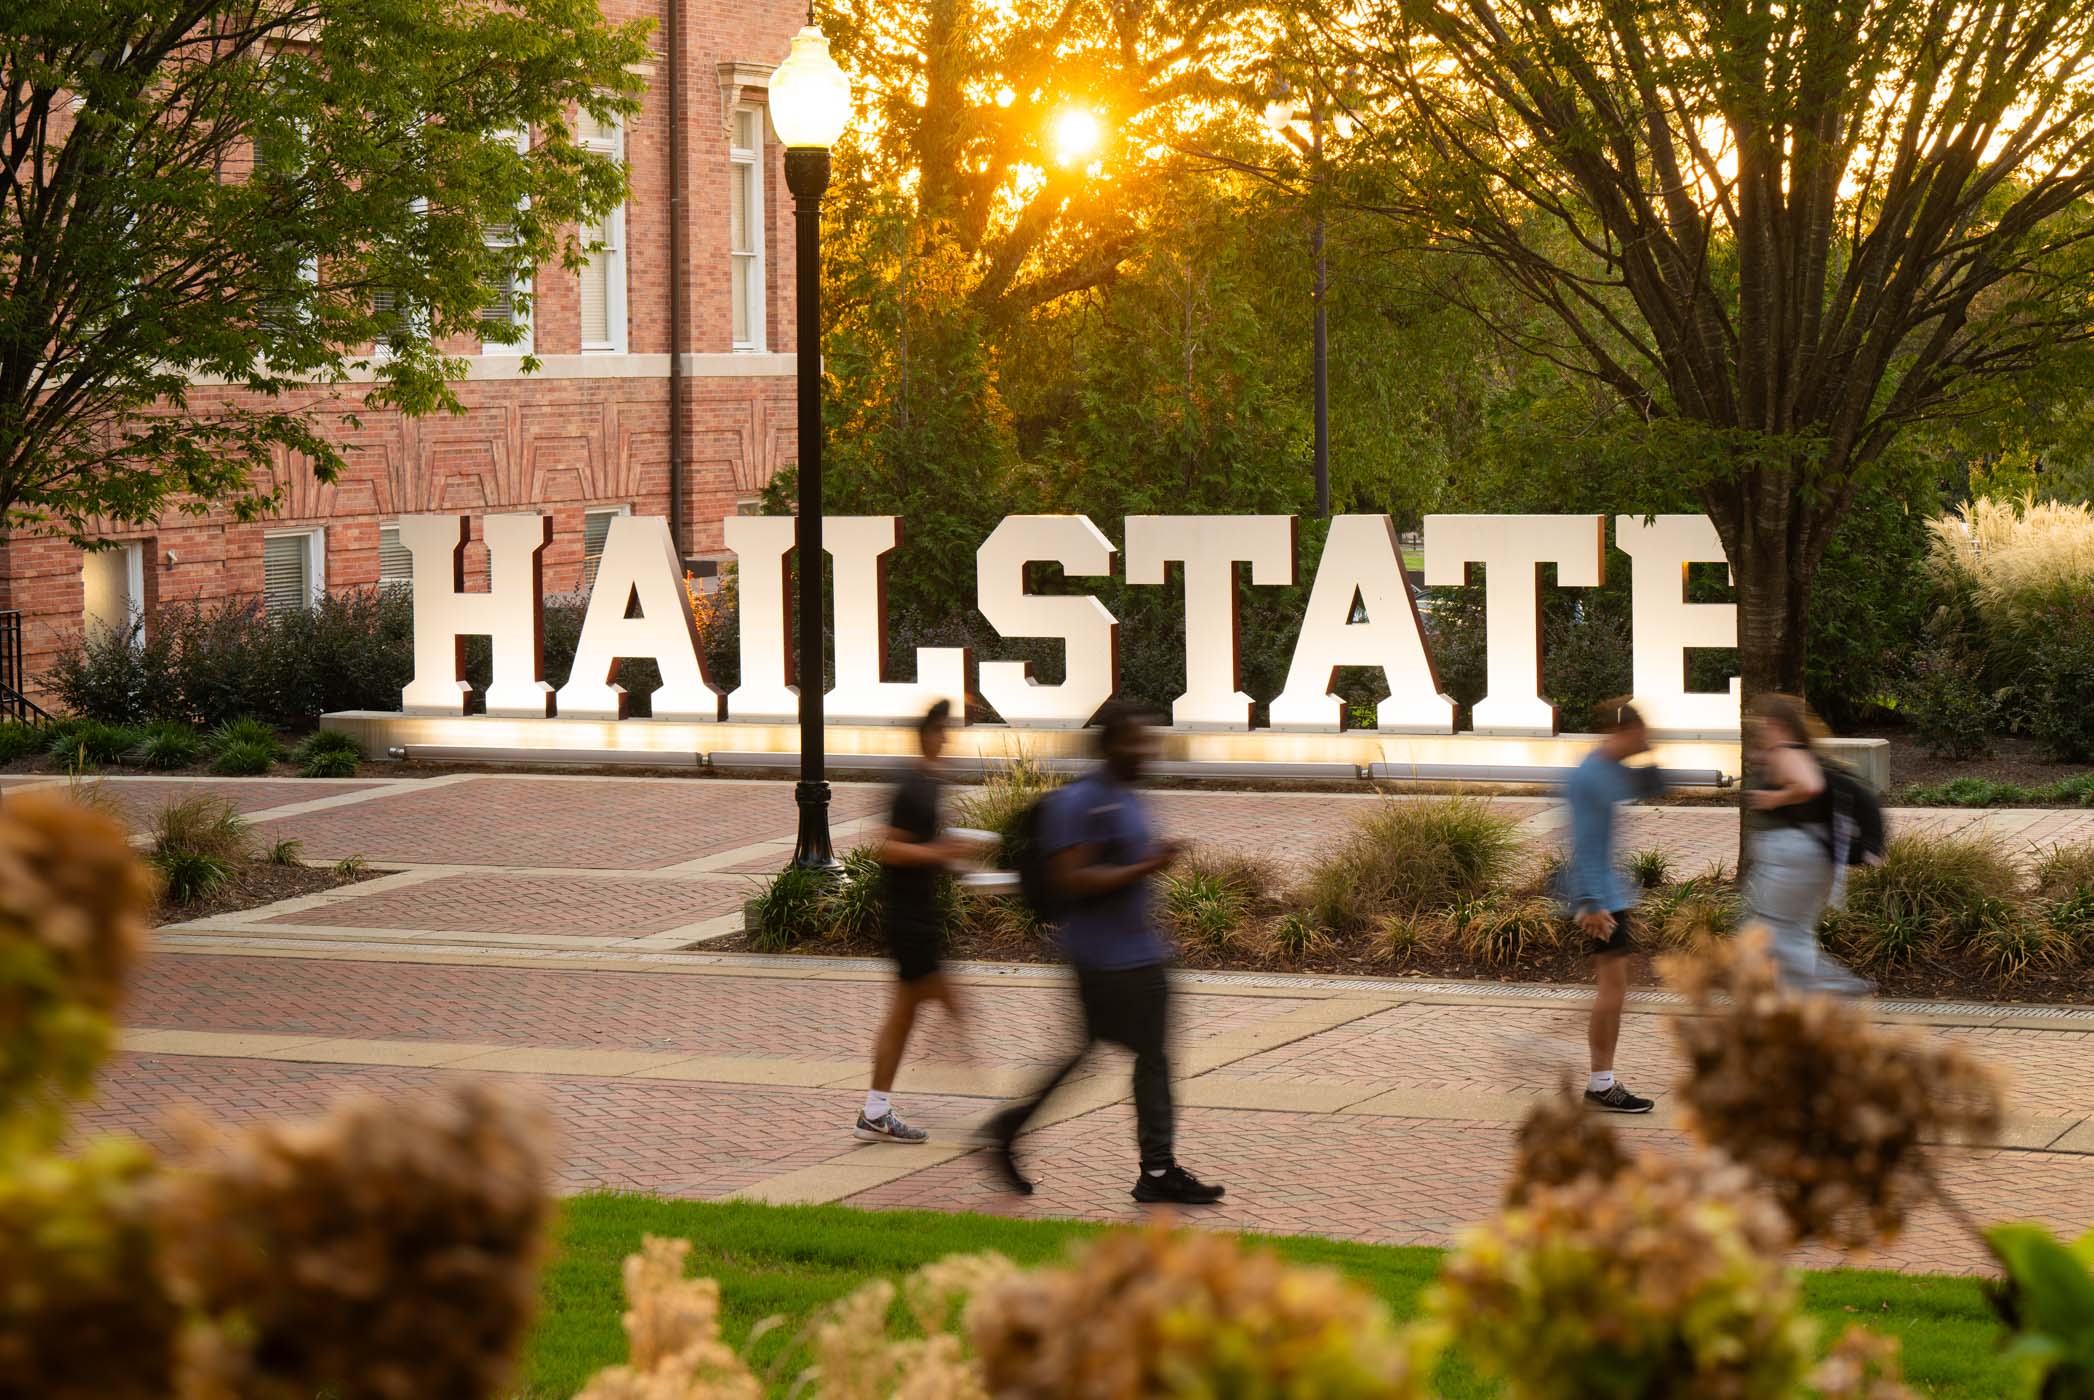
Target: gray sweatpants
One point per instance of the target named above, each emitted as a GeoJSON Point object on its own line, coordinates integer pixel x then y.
{"type": "Point", "coordinates": [1790, 884]}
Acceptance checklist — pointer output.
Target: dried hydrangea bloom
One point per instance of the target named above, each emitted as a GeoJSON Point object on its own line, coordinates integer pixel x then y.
{"type": "Point", "coordinates": [673, 1332]}
{"type": "Point", "coordinates": [1561, 1141]}
{"type": "Point", "coordinates": [74, 901]}
{"type": "Point", "coordinates": [1839, 1119]}
{"type": "Point", "coordinates": [1664, 1280]}
{"type": "Point", "coordinates": [1861, 1366]}
{"type": "Point", "coordinates": [82, 1313]}
{"type": "Point", "coordinates": [1157, 1314]}
{"type": "Point", "coordinates": [386, 1250]}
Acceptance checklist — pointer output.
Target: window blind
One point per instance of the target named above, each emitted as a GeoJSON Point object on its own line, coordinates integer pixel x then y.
{"type": "Point", "coordinates": [596, 528]}
{"type": "Point", "coordinates": [287, 582]}
{"type": "Point", "coordinates": [596, 288]}
{"type": "Point", "coordinates": [395, 560]}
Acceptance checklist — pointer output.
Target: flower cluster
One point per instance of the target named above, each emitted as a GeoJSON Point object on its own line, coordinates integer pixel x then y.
{"type": "Point", "coordinates": [1157, 1314]}
{"type": "Point", "coordinates": [386, 1249]}
{"type": "Point", "coordinates": [673, 1331]}
{"type": "Point", "coordinates": [1561, 1141]}
{"type": "Point", "coordinates": [1834, 1116]}
{"type": "Point", "coordinates": [1664, 1280]}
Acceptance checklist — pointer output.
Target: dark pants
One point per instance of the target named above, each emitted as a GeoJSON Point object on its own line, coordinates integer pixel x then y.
{"type": "Point", "coordinates": [1129, 1007]}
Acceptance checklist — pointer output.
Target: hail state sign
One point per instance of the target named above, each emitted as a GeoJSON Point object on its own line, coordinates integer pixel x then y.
{"type": "Point", "coordinates": [1360, 612]}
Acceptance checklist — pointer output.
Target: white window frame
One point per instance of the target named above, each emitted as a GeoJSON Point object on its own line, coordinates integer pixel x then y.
{"type": "Point", "coordinates": [589, 566]}
{"type": "Point", "coordinates": [315, 538]}
{"type": "Point", "coordinates": [383, 581]}
{"type": "Point", "coordinates": [614, 253]}
{"type": "Point", "coordinates": [748, 266]}
{"type": "Point", "coordinates": [521, 139]}
{"type": "Point", "coordinates": [133, 623]}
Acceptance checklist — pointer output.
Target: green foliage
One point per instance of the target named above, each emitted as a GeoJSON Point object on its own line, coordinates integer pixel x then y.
{"type": "Point", "coordinates": [90, 743]}
{"type": "Point", "coordinates": [169, 744]}
{"type": "Point", "coordinates": [202, 825]}
{"type": "Point", "coordinates": [350, 868]}
{"type": "Point", "coordinates": [1501, 932]}
{"type": "Point", "coordinates": [191, 876]}
{"type": "Point", "coordinates": [1943, 696]}
{"type": "Point", "coordinates": [2047, 1299]}
{"type": "Point", "coordinates": [245, 758]}
{"type": "Point", "coordinates": [19, 740]}
{"type": "Point", "coordinates": [1203, 910]}
{"type": "Point", "coordinates": [1407, 856]}
{"type": "Point", "coordinates": [1650, 867]}
{"type": "Point", "coordinates": [1003, 797]}
{"type": "Point", "coordinates": [246, 735]}
{"type": "Point", "coordinates": [2063, 872]}
{"type": "Point", "coordinates": [850, 907]}
{"type": "Point", "coordinates": [283, 145]}
{"type": "Point", "coordinates": [328, 753]}
{"type": "Point", "coordinates": [1959, 895]}
{"type": "Point", "coordinates": [289, 851]}
{"type": "Point", "coordinates": [1295, 938]}
{"type": "Point", "coordinates": [792, 909]}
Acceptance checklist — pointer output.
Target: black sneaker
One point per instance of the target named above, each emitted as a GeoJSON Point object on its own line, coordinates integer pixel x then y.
{"type": "Point", "coordinates": [1003, 1155]}
{"type": "Point", "coordinates": [1616, 1099]}
{"type": "Point", "coordinates": [1176, 1186]}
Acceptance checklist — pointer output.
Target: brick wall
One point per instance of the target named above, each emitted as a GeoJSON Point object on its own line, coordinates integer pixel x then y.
{"type": "Point", "coordinates": [560, 442]}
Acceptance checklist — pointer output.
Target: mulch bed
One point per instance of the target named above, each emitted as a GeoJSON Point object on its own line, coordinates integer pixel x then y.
{"type": "Point", "coordinates": [264, 882]}
{"type": "Point", "coordinates": [1948, 979]}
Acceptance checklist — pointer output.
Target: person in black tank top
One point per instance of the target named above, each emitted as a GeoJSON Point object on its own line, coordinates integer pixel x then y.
{"type": "Point", "coordinates": [914, 856]}
{"type": "Point", "coordinates": [1793, 875]}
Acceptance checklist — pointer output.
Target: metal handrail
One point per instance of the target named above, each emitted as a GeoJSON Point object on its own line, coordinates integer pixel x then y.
{"type": "Point", "coordinates": [14, 704]}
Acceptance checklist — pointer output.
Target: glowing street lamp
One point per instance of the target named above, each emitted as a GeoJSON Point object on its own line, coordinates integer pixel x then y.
{"type": "Point", "coordinates": [810, 101]}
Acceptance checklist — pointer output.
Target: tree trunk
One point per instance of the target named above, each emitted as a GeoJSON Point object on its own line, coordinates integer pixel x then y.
{"type": "Point", "coordinates": [1773, 576]}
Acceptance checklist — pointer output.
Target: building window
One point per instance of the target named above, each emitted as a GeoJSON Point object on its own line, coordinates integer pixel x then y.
{"type": "Point", "coordinates": [596, 528]}
{"type": "Point", "coordinates": [112, 592]}
{"type": "Point", "coordinates": [603, 275]}
{"type": "Point", "coordinates": [745, 228]}
{"type": "Point", "coordinates": [294, 570]}
{"type": "Point", "coordinates": [505, 307]}
{"type": "Point", "coordinates": [395, 560]}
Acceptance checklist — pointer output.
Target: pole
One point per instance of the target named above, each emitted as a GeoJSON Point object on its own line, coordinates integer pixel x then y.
{"type": "Point", "coordinates": [1323, 347]}
{"type": "Point", "coordinates": [807, 176]}
{"type": "Point", "coordinates": [672, 14]}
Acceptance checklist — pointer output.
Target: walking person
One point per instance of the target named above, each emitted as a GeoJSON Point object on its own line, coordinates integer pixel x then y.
{"type": "Point", "coordinates": [1597, 895]}
{"type": "Point", "coordinates": [1103, 858]}
{"type": "Point", "coordinates": [913, 854]}
{"type": "Point", "coordinates": [1794, 864]}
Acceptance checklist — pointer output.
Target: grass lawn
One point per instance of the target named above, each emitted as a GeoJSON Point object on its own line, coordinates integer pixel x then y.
{"type": "Point", "coordinates": [790, 1260]}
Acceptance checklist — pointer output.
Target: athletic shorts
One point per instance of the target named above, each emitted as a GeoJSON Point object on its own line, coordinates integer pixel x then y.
{"type": "Point", "coordinates": [916, 948]}
{"type": "Point", "coordinates": [1622, 940]}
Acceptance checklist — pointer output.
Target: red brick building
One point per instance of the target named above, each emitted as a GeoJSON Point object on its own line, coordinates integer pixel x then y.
{"type": "Point", "coordinates": [589, 434]}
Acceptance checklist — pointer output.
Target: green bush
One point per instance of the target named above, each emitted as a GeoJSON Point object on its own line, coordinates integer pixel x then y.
{"type": "Point", "coordinates": [1409, 856]}
{"type": "Point", "coordinates": [1952, 892]}
{"type": "Point", "coordinates": [1204, 911]}
{"type": "Point", "coordinates": [1295, 938]}
{"type": "Point", "coordinates": [19, 740]}
{"type": "Point", "coordinates": [790, 910]}
{"type": "Point", "coordinates": [289, 851]}
{"type": "Point", "coordinates": [2061, 683]}
{"type": "Point", "coordinates": [191, 876]}
{"type": "Point", "coordinates": [245, 759]}
{"type": "Point", "coordinates": [202, 825]}
{"type": "Point", "coordinates": [245, 730]}
{"type": "Point", "coordinates": [850, 907]}
{"type": "Point", "coordinates": [2075, 791]}
{"type": "Point", "coordinates": [1650, 867]}
{"type": "Point", "coordinates": [1003, 798]}
{"type": "Point", "coordinates": [329, 753]}
{"type": "Point", "coordinates": [169, 744]}
{"type": "Point", "coordinates": [1944, 697]}
{"type": "Point", "coordinates": [2064, 872]}
{"type": "Point", "coordinates": [1497, 932]}
{"type": "Point", "coordinates": [91, 743]}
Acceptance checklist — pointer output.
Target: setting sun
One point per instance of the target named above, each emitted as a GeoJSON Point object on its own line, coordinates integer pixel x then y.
{"type": "Point", "coordinates": [1075, 134]}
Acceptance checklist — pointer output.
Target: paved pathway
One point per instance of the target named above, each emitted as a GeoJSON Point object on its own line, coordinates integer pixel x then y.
{"type": "Point", "coordinates": [551, 930]}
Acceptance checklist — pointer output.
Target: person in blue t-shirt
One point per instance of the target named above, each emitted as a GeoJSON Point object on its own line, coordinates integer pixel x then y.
{"type": "Point", "coordinates": [1598, 897]}
{"type": "Point", "coordinates": [1103, 856]}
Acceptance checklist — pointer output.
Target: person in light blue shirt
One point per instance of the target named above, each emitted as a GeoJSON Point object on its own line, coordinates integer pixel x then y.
{"type": "Point", "coordinates": [1597, 896]}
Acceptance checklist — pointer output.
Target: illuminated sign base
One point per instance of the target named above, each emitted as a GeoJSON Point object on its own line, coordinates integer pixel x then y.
{"type": "Point", "coordinates": [1186, 752]}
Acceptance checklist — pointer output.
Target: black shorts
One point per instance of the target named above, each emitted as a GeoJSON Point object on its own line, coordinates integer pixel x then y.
{"type": "Point", "coordinates": [916, 948]}
{"type": "Point", "coordinates": [1622, 940]}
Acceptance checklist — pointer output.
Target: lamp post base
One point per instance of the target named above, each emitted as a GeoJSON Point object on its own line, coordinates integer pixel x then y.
{"type": "Point", "coordinates": [812, 851]}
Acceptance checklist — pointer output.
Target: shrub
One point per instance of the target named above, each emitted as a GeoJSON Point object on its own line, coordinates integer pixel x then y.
{"type": "Point", "coordinates": [1201, 910]}
{"type": "Point", "coordinates": [1928, 889]}
{"type": "Point", "coordinates": [244, 730]}
{"type": "Point", "coordinates": [1408, 857]}
{"type": "Point", "coordinates": [2060, 704]}
{"type": "Point", "coordinates": [2064, 871]}
{"type": "Point", "coordinates": [2012, 940]}
{"type": "Point", "coordinates": [245, 758]}
{"type": "Point", "coordinates": [1944, 697]}
{"type": "Point", "coordinates": [71, 929]}
{"type": "Point", "coordinates": [1684, 914]}
{"type": "Point", "coordinates": [329, 753]}
{"type": "Point", "coordinates": [388, 1248]}
{"type": "Point", "coordinates": [1001, 800]}
{"type": "Point", "coordinates": [790, 910]}
{"type": "Point", "coordinates": [1663, 1280]}
{"type": "Point", "coordinates": [1295, 939]}
{"type": "Point", "coordinates": [91, 743]}
{"type": "Point", "coordinates": [290, 851]}
{"type": "Point", "coordinates": [350, 868]}
{"type": "Point", "coordinates": [202, 825]}
{"type": "Point", "coordinates": [169, 744]}
{"type": "Point", "coordinates": [1501, 932]}
{"type": "Point", "coordinates": [850, 907]}
{"type": "Point", "coordinates": [1650, 867]}
{"type": "Point", "coordinates": [191, 876]}
{"type": "Point", "coordinates": [19, 740]}
{"type": "Point", "coordinates": [1188, 1314]}
{"type": "Point", "coordinates": [1397, 937]}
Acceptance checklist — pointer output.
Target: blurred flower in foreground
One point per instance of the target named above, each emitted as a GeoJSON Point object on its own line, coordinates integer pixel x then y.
{"type": "Point", "coordinates": [1861, 1366]}
{"type": "Point", "coordinates": [387, 1249]}
{"type": "Point", "coordinates": [1837, 1118]}
{"type": "Point", "coordinates": [673, 1331]}
{"type": "Point", "coordinates": [1561, 1141]}
{"type": "Point", "coordinates": [74, 901]}
{"type": "Point", "coordinates": [1664, 1280]}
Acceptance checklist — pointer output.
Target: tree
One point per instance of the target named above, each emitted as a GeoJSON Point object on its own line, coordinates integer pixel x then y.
{"type": "Point", "coordinates": [256, 193]}
{"type": "Point", "coordinates": [1779, 235]}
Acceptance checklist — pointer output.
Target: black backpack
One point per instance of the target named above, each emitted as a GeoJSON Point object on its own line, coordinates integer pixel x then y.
{"type": "Point", "coordinates": [1856, 804]}
{"type": "Point", "coordinates": [1028, 856]}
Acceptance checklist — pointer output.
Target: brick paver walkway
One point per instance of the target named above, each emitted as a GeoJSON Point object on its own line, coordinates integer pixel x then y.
{"type": "Point", "coordinates": [551, 931]}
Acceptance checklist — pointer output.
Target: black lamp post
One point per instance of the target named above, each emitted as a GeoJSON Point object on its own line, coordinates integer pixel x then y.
{"type": "Point", "coordinates": [810, 101]}
{"type": "Point", "coordinates": [1286, 118]}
